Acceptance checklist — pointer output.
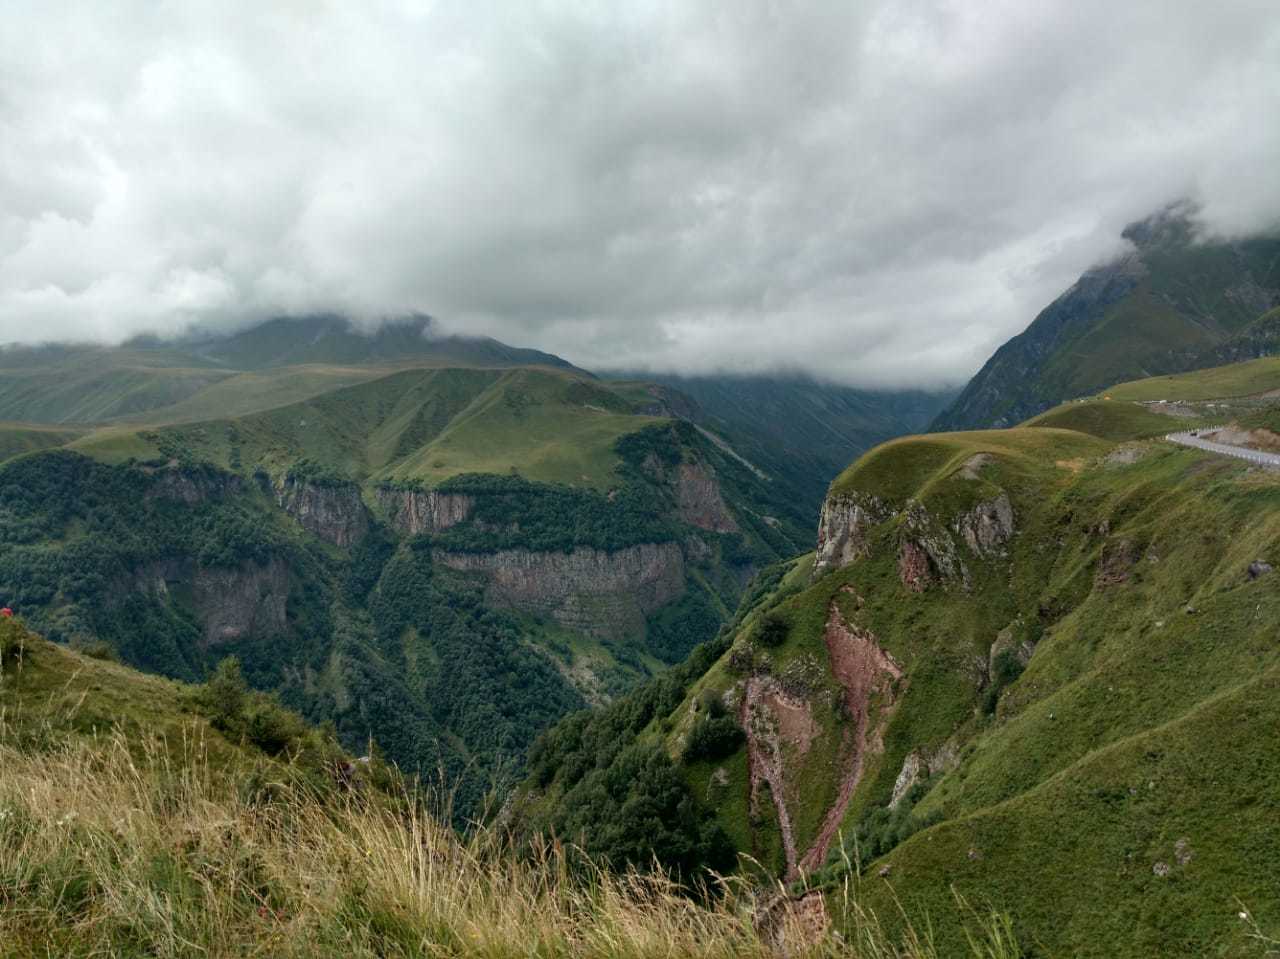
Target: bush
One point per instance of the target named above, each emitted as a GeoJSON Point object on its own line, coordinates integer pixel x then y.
{"type": "Point", "coordinates": [772, 631]}
{"type": "Point", "coordinates": [713, 738]}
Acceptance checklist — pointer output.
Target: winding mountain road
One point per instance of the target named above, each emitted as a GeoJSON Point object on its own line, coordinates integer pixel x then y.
{"type": "Point", "coordinates": [1194, 438]}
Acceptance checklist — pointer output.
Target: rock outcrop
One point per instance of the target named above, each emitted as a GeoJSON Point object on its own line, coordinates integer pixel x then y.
{"type": "Point", "coordinates": [333, 511]}
{"type": "Point", "coordinates": [193, 486]}
{"type": "Point", "coordinates": [412, 512]}
{"type": "Point", "coordinates": [606, 594]}
{"type": "Point", "coordinates": [699, 501]}
{"type": "Point", "coordinates": [842, 529]}
{"type": "Point", "coordinates": [988, 526]}
{"type": "Point", "coordinates": [231, 602]}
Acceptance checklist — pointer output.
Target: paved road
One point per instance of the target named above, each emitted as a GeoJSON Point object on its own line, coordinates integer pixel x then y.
{"type": "Point", "coordinates": [1193, 438]}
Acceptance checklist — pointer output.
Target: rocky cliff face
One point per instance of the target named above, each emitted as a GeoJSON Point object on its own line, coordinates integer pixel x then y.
{"type": "Point", "coordinates": [411, 512]}
{"type": "Point", "coordinates": [334, 512]}
{"type": "Point", "coordinates": [928, 549]}
{"type": "Point", "coordinates": [843, 526]}
{"type": "Point", "coordinates": [231, 603]}
{"type": "Point", "coordinates": [699, 501]}
{"type": "Point", "coordinates": [193, 486]}
{"type": "Point", "coordinates": [606, 594]}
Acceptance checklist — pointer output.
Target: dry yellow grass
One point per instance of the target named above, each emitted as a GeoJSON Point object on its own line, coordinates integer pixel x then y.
{"type": "Point", "coordinates": [109, 850]}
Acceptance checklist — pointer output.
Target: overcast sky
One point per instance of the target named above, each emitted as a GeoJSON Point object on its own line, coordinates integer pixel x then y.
{"type": "Point", "coordinates": [877, 192]}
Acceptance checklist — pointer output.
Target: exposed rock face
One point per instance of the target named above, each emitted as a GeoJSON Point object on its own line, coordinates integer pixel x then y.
{"type": "Point", "coordinates": [919, 765]}
{"type": "Point", "coordinates": [777, 718]}
{"type": "Point", "coordinates": [987, 526]}
{"type": "Point", "coordinates": [842, 529]}
{"type": "Point", "coordinates": [334, 512]}
{"type": "Point", "coordinates": [913, 566]}
{"type": "Point", "coordinates": [593, 591]}
{"type": "Point", "coordinates": [699, 501]}
{"type": "Point", "coordinates": [412, 512]}
{"type": "Point", "coordinates": [935, 542]}
{"type": "Point", "coordinates": [870, 677]}
{"type": "Point", "coordinates": [193, 486]}
{"type": "Point", "coordinates": [247, 600]}
{"type": "Point", "coordinates": [773, 719]}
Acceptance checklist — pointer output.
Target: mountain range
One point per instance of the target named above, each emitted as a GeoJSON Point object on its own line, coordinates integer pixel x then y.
{"type": "Point", "coordinates": [1176, 301]}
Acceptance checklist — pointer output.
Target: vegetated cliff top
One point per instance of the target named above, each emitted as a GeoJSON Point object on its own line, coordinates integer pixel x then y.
{"type": "Point", "coordinates": [1040, 676]}
{"type": "Point", "coordinates": [1171, 304]}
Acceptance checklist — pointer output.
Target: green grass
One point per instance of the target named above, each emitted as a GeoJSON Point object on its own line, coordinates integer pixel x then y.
{"type": "Point", "coordinates": [419, 425]}
{"type": "Point", "coordinates": [1113, 419]}
{"type": "Point", "coordinates": [908, 466]}
{"type": "Point", "coordinates": [97, 387]}
{"type": "Point", "coordinates": [253, 392]}
{"type": "Point", "coordinates": [19, 438]}
{"type": "Point", "coordinates": [1235, 380]}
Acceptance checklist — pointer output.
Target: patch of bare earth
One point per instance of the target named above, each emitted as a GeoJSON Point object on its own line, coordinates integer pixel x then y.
{"type": "Point", "coordinates": [771, 718]}
{"type": "Point", "coordinates": [869, 676]}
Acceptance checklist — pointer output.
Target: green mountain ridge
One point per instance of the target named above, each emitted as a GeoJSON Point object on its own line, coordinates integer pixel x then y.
{"type": "Point", "coordinates": [1174, 303]}
{"type": "Point", "coordinates": [1030, 667]}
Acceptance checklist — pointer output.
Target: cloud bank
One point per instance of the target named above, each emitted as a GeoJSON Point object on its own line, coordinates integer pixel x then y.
{"type": "Point", "coordinates": [878, 193]}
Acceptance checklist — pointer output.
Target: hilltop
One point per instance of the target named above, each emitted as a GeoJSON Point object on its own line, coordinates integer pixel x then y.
{"type": "Point", "coordinates": [1174, 302]}
{"type": "Point", "coordinates": [1031, 667]}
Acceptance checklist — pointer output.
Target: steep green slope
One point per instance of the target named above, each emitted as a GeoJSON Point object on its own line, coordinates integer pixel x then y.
{"type": "Point", "coordinates": [1030, 667]}
{"type": "Point", "coordinates": [1165, 307]}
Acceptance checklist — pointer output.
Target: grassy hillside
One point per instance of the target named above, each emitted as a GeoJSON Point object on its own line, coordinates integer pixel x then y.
{"type": "Point", "coordinates": [1172, 304]}
{"type": "Point", "coordinates": [136, 818]}
{"type": "Point", "coordinates": [1038, 680]}
{"type": "Point", "coordinates": [19, 438]}
{"type": "Point", "coordinates": [268, 365]}
{"type": "Point", "coordinates": [1221, 382]}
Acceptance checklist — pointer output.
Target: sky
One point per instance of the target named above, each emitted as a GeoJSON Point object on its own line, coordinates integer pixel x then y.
{"type": "Point", "coordinates": [876, 193]}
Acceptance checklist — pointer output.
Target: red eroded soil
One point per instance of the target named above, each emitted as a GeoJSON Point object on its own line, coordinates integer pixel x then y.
{"type": "Point", "coordinates": [868, 674]}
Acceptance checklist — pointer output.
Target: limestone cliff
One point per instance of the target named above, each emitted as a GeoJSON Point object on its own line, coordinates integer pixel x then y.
{"type": "Point", "coordinates": [193, 486]}
{"type": "Point", "coordinates": [699, 501]}
{"type": "Point", "coordinates": [412, 512]}
{"type": "Point", "coordinates": [333, 511]}
{"type": "Point", "coordinates": [843, 526]}
{"type": "Point", "coordinates": [606, 594]}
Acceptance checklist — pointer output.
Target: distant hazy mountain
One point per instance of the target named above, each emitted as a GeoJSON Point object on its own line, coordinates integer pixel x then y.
{"type": "Point", "coordinates": [1172, 304]}
{"type": "Point", "coordinates": [203, 376]}
{"type": "Point", "coordinates": [332, 339]}
{"type": "Point", "coordinates": [797, 428]}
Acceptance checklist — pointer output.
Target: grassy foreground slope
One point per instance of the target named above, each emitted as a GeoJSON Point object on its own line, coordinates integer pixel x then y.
{"type": "Point", "coordinates": [1033, 667]}
{"type": "Point", "coordinates": [131, 825]}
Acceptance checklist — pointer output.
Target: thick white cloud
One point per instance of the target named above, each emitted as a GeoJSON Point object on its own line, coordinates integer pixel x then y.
{"type": "Point", "coordinates": [877, 192]}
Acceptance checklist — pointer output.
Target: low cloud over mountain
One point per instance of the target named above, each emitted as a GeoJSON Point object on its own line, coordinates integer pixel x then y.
{"type": "Point", "coordinates": [877, 193]}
